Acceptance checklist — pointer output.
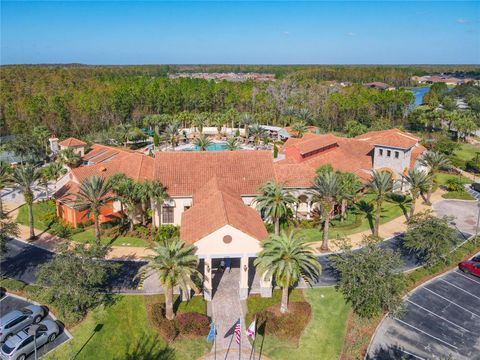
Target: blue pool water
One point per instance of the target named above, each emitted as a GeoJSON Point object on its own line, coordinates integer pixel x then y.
{"type": "Point", "coordinates": [419, 93]}
{"type": "Point", "coordinates": [214, 147]}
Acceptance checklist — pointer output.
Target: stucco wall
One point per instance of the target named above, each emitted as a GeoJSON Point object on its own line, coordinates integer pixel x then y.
{"type": "Point", "coordinates": [396, 165]}
{"type": "Point", "coordinates": [213, 246]}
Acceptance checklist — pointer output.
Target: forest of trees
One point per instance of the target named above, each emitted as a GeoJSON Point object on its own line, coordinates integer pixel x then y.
{"type": "Point", "coordinates": [77, 100]}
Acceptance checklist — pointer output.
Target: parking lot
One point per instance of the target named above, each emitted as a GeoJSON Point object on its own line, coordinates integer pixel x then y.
{"type": "Point", "coordinates": [9, 303]}
{"type": "Point", "coordinates": [441, 321]}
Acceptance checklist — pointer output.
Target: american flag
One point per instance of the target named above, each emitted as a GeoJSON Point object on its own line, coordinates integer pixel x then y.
{"type": "Point", "coordinates": [237, 331]}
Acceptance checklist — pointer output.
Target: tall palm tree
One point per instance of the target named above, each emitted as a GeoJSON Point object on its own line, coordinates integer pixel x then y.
{"type": "Point", "coordinates": [94, 193]}
{"type": "Point", "coordinates": [246, 120]}
{"type": "Point", "coordinates": [434, 161]}
{"type": "Point", "coordinates": [141, 193]}
{"type": "Point", "coordinates": [232, 144]}
{"type": "Point", "coordinates": [126, 191]}
{"type": "Point", "coordinates": [156, 194]}
{"type": "Point", "coordinates": [199, 121]}
{"type": "Point", "coordinates": [419, 182]}
{"type": "Point", "coordinates": [274, 201]}
{"type": "Point", "coordinates": [25, 177]}
{"type": "Point", "coordinates": [203, 142]}
{"type": "Point", "coordinates": [56, 171]}
{"type": "Point", "coordinates": [172, 134]}
{"type": "Point", "coordinates": [325, 191]}
{"type": "Point", "coordinates": [300, 128]}
{"type": "Point", "coordinates": [350, 185]}
{"type": "Point", "coordinates": [5, 179]}
{"type": "Point", "coordinates": [381, 184]}
{"type": "Point", "coordinates": [176, 264]}
{"type": "Point", "coordinates": [287, 257]}
{"type": "Point", "coordinates": [45, 177]}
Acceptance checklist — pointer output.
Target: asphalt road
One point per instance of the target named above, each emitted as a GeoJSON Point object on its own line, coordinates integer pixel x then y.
{"type": "Point", "coordinates": [22, 260]}
{"type": "Point", "coordinates": [441, 321]}
{"type": "Point", "coordinates": [9, 303]}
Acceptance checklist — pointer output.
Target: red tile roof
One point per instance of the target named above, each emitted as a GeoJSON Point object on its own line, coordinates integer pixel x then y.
{"type": "Point", "coordinates": [392, 137]}
{"type": "Point", "coordinates": [66, 193]}
{"type": "Point", "coordinates": [313, 142]}
{"type": "Point", "coordinates": [214, 207]}
{"type": "Point", "coordinates": [72, 142]}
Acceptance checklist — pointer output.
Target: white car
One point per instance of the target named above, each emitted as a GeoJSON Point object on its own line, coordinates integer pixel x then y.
{"type": "Point", "coordinates": [17, 320]}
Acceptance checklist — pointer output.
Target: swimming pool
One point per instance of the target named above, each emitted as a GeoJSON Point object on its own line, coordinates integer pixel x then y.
{"type": "Point", "coordinates": [213, 147]}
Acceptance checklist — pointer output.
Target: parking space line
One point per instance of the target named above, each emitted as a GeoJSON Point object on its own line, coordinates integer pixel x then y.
{"type": "Point", "coordinates": [423, 332]}
{"type": "Point", "coordinates": [466, 277]}
{"type": "Point", "coordinates": [441, 317]}
{"type": "Point", "coordinates": [444, 298]}
{"type": "Point", "coordinates": [459, 288]}
{"type": "Point", "coordinates": [409, 353]}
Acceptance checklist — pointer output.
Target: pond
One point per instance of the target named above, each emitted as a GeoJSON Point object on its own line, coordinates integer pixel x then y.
{"type": "Point", "coordinates": [419, 93]}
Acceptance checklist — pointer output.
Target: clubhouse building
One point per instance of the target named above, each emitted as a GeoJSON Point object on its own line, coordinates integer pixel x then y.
{"type": "Point", "coordinates": [211, 193]}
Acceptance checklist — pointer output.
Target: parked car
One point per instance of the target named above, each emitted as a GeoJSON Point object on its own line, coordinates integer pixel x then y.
{"type": "Point", "coordinates": [17, 320]}
{"type": "Point", "coordinates": [470, 267]}
{"type": "Point", "coordinates": [20, 345]}
{"type": "Point", "coordinates": [475, 186]}
{"type": "Point", "coordinates": [476, 258]}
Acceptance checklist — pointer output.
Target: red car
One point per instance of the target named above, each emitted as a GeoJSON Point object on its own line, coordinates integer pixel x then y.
{"type": "Point", "coordinates": [470, 267]}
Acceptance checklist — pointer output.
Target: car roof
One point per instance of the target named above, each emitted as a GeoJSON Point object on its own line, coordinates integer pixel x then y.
{"type": "Point", "coordinates": [5, 319]}
{"type": "Point", "coordinates": [14, 340]}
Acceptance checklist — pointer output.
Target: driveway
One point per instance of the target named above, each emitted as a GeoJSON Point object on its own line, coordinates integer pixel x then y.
{"type": "Point", "coordinates": [9, 303]}
{"type": "Point", "coordinates": [441, 320]}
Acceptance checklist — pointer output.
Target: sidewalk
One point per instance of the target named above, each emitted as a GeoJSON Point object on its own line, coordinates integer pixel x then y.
{"type": "Point", "coordinates": [387, 230]}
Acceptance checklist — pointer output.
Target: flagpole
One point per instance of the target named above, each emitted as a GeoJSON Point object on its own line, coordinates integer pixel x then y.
{"type": "Point", "coordinates": [215, 345]}
{"type": "Point", "coordinates": [240, 342]}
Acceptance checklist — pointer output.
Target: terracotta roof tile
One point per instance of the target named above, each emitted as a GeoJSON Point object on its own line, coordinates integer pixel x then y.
{"type": "Point", "coordinates": [66, 193]}
{"type": "Point", "coordinates": [216, 209]}
{"type": "Point", "coordinates": [72, 142]}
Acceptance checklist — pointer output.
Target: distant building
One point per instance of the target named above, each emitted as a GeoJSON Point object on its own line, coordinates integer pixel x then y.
{"type": "Point", "coordinates": [225, 76]}
{"type": "Point", "coordinates": [448, 79]}
{"type": "Point", "coordinates": [379, 86]}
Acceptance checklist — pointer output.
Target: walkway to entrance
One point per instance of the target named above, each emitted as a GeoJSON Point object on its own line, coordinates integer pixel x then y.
{"type": "Point", "coordinates": [227, 308]}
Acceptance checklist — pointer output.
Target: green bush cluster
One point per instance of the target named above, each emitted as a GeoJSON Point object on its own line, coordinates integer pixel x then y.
{"type": "Point", "coordinates": [185, 325]}
{"type": "Point", "coordinates": [286, 326]}
{"type": "Point", "coordinates": [472, 166]}
{"type": "Point", "coordinates": [166, 232]}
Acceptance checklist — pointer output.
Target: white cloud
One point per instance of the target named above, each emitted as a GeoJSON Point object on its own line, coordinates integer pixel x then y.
{"type": "Point", "coordinates": [351, 33]}
{"type": "Point", "coordinates": [462, 21]}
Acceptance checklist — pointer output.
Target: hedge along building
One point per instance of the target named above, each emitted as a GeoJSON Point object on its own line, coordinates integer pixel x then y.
{"type": "Point", "coordinates": [210, 194]}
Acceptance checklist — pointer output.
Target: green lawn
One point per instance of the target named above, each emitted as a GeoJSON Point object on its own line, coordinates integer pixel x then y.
{"type": "Point", "coordinates": [465, 153]}
{"type": "Point", "coordinates": [389, 212]}
{"type": "Point", "coordinates": [322, 338]}
{"type": "Point", "coordinates": [89, 235]}
{"type": "Point", "coordinates": [442, 178]}
{"type": "Point", "coordinates": [458, 195]}
{"type": "Point", "coordinates": [40, 210]}
{"type": "Point", "coordinates": [123, 332]}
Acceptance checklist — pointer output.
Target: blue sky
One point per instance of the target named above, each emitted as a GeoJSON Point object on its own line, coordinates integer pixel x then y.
{"type": "Point", "coordinates": [380, 32]}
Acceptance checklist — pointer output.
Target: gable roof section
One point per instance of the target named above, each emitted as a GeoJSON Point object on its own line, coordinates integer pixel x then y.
{"type": "Point", "coordinates": [72, 142]}
{"type": "Point", "coordinates": [183, 173]}
{"type": "Point", "coordinates": [391, 137]}
{"type": "Point", "coordinates": [214, 208]}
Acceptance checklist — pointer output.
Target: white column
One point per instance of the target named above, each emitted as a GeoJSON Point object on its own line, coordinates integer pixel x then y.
{"type": "Point", "coordinates": [207, 279]}
{"type": "Point", "coordinates": [309, 209]}
{"type": "Point", "coordinates": [243, 277]}
{"type": "Point", "coordinates": [266, 286]}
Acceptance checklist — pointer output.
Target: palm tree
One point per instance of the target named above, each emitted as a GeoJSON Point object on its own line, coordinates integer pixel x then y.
{"type": "Point", "coordinates": [258, 132]}
{"type": "Point", "coordinates": [25, 176]}
{"type": "Point", "coordinates": [199, 122]}
{"type": "Point", "coordinates": [325, 191]}
{"type": "Point", "coordinates": [94, 193]}
{"type": "Point", "coordinates": [70, 157]}
{"type": "Point", "coordinates": [157, 194]}
{"type": "Point", "coordinates": [246, 119]}
{"type": "Point", "coordinates": [126, 191]}
{"type": "Point", "coordinates": [381, 184]}
{"type": "Point", "coordinates": [434, 161]}
{"type": "Point", "coordinates": [141, 193]}
{"type": "Point", "coordinates": [203, 142]}
{"type": "Point", "coordinates": [45, 177]}
{"type": "Point", "coordinates": [419, 182]}
{"type": "Point", "coordinates": [5, 179]}
{"type": "Point", "coordinates": [172, 134]}
{"type": "Point", "coordinates": [56, 171]}
{"type": "Point", "coordinates": [176, 264]}
{"type": "Point", "coordinates": [274, 201]}
{"type": "Point", "coordinates": [350, 185]}
{"type": "Point", "coordinates": [287, 258]}
{"type": "Point", "coordinates": [300, 128]}
{"type": "Point", "coordinates": [232, 144]}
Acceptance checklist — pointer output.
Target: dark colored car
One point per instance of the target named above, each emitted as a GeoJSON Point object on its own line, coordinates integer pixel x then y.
{"type": "Point", "coordinates": [476, 258]}
{"type": "Point", "coordinates": [470, 267]}
{"type": "Point", "coordinates": [475, 186]}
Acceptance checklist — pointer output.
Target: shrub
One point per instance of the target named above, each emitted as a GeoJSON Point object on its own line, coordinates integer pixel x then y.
{"type": "Point", "coordinates": [185, 325]}
{"type": "Point", "coordinates": [12, 284]}
{"type": "Point", "coordinates": [61, 229]}
{"type": "Point", "coordinates": [446, 146]}
{"type": "Point", "coordinates": [287, 326]}
{"type": "Point", "coordinates": [472, 166]}
{"type": "Point", "coordinates": [166, 232]}
{"type": "Point", "coordinates": [454, 184]}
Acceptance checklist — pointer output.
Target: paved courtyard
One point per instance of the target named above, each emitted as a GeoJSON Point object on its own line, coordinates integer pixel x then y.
{"type": "Point", "coordinates": [464, 212]}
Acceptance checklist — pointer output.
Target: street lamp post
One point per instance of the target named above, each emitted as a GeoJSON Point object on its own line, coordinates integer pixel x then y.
{"type": "Point", "coordinates": [32, 330]}
{"type": "Point", "coordinates": [478, 222]}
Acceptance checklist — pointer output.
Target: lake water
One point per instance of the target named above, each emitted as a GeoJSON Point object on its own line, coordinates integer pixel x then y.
{"type": "Point", "coordinates": [419, 93]}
